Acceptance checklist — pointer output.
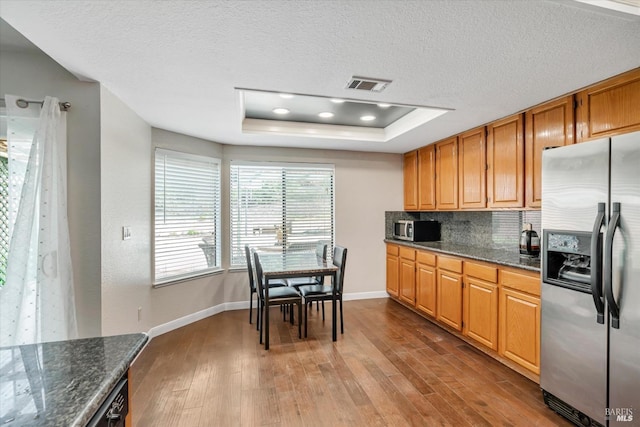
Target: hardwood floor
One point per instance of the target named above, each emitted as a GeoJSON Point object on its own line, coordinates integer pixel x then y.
{"type": "Point", "coordinates": [391, 367]}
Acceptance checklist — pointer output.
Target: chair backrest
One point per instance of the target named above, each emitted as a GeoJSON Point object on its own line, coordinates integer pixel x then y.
{"type": "Point", "coordinates": [247, 253]}
{"type": "Point", "coordinates": [340, 261]}
{"type": "Point", "coordinates": [259, 278]}
{"type": "Point", "coordinates": [321, 250]}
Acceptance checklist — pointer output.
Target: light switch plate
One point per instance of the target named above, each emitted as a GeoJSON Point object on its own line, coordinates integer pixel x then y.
{"type": "Point", "coordinates": [126, 232]}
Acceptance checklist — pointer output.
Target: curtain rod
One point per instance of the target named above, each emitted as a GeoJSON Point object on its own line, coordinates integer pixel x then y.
{"type": "Point", "coordinates": [24, 103]}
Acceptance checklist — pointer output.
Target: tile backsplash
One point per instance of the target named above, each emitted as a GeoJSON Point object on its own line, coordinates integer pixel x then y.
{"type": "Point", "coordinates": [494, 229]}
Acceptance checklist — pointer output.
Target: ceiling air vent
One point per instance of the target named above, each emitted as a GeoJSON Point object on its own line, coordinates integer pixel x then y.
{"type": "Point", "coordinates": [364, 83]}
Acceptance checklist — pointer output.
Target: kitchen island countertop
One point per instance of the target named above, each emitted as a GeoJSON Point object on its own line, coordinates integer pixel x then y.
{"type": "Point", "coordinates": [509, 258]}
{"type": "Point", "coordinates": [62, 383]}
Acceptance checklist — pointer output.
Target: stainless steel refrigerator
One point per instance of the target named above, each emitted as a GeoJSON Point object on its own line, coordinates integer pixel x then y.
{"type": "Point", "coordinates": [590, 332]}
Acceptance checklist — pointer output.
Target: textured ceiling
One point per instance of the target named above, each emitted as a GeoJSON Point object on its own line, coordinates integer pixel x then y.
{"type": "Point", "coordinates": [176, 63]}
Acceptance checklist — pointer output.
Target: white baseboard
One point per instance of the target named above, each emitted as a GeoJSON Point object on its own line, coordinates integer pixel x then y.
{"type": "Point", "coordinates": [185, 320]}
{"type": "Point", "coordinates": [365, 295]}
{"type": "Point", "coordinates": [239, 305]}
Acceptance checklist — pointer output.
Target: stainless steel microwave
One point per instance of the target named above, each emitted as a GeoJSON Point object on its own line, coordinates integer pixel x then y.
{"type": "Point", "coordinates": [416, 231]}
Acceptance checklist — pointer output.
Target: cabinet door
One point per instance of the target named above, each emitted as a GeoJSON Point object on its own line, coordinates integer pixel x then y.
{"type": "Point", "coordinates": [408, 281]}
{"type": "Point", "coordinates": [548, 125]}
{"type": "Point", "coordinates": [410, 169]}
{"type": "Point", "coordinates": [472, 165]}
{"type": "Point", "coordinates": [427, 178]}
{"type": "Point", "coordinates": [481, 312]}
{"type": "Point", "coordinates": [505, 162]}
{"type": "Point", "coordinates": [447, 174]}
{"type": "Point", "coordinates": [449, 296]}
{"type": "Point", "coordinates": [519, 325]}
{"type": "Point", "coordinates": [393, 272]}
{"type": "Point", "coordinates": [426, 289]}
{"type": "Point", "coordinates": [609, 108]}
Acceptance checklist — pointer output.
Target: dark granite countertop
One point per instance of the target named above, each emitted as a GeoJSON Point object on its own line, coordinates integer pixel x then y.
{"type": "Point", "coordinates": [62, 383]}
{"type": "Point", "coordinates": [497, 256]}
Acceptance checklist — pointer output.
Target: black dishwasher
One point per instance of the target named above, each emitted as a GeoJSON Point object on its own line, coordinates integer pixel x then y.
{"type": "Point", "coordinates": [115, 407]}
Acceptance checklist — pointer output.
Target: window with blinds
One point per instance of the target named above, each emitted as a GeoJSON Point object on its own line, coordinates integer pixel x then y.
{"type": "Point", "coordinates": [187, 215]}
{"type": "Point", "coordinates": [280, 207]}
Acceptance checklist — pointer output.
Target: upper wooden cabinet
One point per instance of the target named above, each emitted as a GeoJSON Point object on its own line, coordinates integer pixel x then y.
{"type": "Point", "coordinates": [609, 108]}
{"type": "Point", "coordinates": [472, 165]}
{"type": "Point", "coordinates": [547, 125]}
{"type": "Point", "coordinates": [505, 162]}
{"type": "Point", "coordinates": [410, 173]}
{"type": "Point", "coordinates": [447, 174]}
{"type": "Point", "coordinates": [427, 178]}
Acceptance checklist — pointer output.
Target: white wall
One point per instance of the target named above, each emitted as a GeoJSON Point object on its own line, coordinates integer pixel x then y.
{"type": "Point", "coordinates": [34, 76]}
{"type": "Point", "coordinates": [125, 200]}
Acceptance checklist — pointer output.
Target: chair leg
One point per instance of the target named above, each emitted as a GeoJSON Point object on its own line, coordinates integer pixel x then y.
{"type": "Point", "coordinates": [300, 319]}
{"type": "Point", "coordinates": [341, 318]}
{"type": "Point", "coordinates": [318, 305]}
{"type": "Point", "coordinates": [258, 313]}
{"type": "Point", "coordinates": [250, 306]}
{"type": "Point", "coordinates": [305, 321]}
{"type": "Point", "coordinates": [291, 312]}
{"type": "Point", "coordinates": [261, 320]}
{"type": "Point", "coordinates": [323, 311]}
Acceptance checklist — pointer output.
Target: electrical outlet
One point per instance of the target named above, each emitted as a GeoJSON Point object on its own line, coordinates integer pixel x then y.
{"type": "Point", "coordinates": [126, 232]}
{"type": "Point", "coordinates": [139, 313]}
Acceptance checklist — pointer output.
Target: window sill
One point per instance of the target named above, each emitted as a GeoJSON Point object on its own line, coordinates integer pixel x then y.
{"type": "Point", "coordinates": [175, 281]}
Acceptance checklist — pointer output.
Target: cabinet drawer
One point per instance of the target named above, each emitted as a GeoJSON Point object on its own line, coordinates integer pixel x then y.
{"type": "Point", "coordinates": [392, 250]}
{"type": "Point", "coordinates": [520, 280]}
{"type": "Point", "coordinates": [481, 271]}
{"type": "Point", "coordinates": [407, 253]}
{"type": "Point", "coordinates": [426, 258]}
{"type": "Point", "coordinates": [451, 264]}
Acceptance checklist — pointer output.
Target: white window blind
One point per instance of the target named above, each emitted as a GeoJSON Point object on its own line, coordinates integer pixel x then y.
{"type": "Point", "coordinates": [187, 215]}
{"type": "Point", "coordinates": [280, 207]}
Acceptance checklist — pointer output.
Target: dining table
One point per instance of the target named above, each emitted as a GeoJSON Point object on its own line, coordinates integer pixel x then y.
{"type": "Point", "coordinates": [286, 265]}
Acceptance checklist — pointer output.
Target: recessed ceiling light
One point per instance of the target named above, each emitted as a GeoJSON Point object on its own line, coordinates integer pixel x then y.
{"type": "Point", "coordinates": [383, 105]}
{"type": "Point", "coordinates": [286, 95]}
{"type": "Point", "coordinates": [367, 118]}
{"type": "Point", "coordinates": [280, 111]}
{"type": "Point", "coordinates": [337, 100]}
{"type": "Point", "coordinates": [325, 115]}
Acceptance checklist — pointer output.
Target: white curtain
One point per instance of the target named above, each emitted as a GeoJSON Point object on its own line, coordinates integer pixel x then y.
{"type": "Point", "coordinates": [37, 301]}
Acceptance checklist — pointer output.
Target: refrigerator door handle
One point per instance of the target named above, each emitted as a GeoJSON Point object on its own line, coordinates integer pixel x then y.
{"type": "Point", "coordinates": [614, 309]}
{"type": "Point", "coordinates": [596, 268]}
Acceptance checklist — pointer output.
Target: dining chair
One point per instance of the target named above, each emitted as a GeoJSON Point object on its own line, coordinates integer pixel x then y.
{"type": "Point", "coordinates": [270, 296]}
{"type": "Point", "coordinates": [323, 293]}
{"type": "Point", "coordinates": [321, 252]}
{"type": "Point", "coordinates": [252, 286]}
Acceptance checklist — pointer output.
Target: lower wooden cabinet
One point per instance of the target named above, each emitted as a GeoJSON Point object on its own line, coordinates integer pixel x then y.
{"type": "Point", "coordinates": [393, 269]}
{"type": "Point", "coordinates": [496, 306]}
{"type": "Point", "coordinates": [407, 276]}
{"type": "Point", "coordinates": [426, 283]}
{"type": "Point", "coordinates": [480, 303]}
{"type": "Point", "coordinates": [519, 327]}
{"type": "Point", "coordinates": [481, 312]}
{"type": "Point", "coordinates": [449, 292]}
